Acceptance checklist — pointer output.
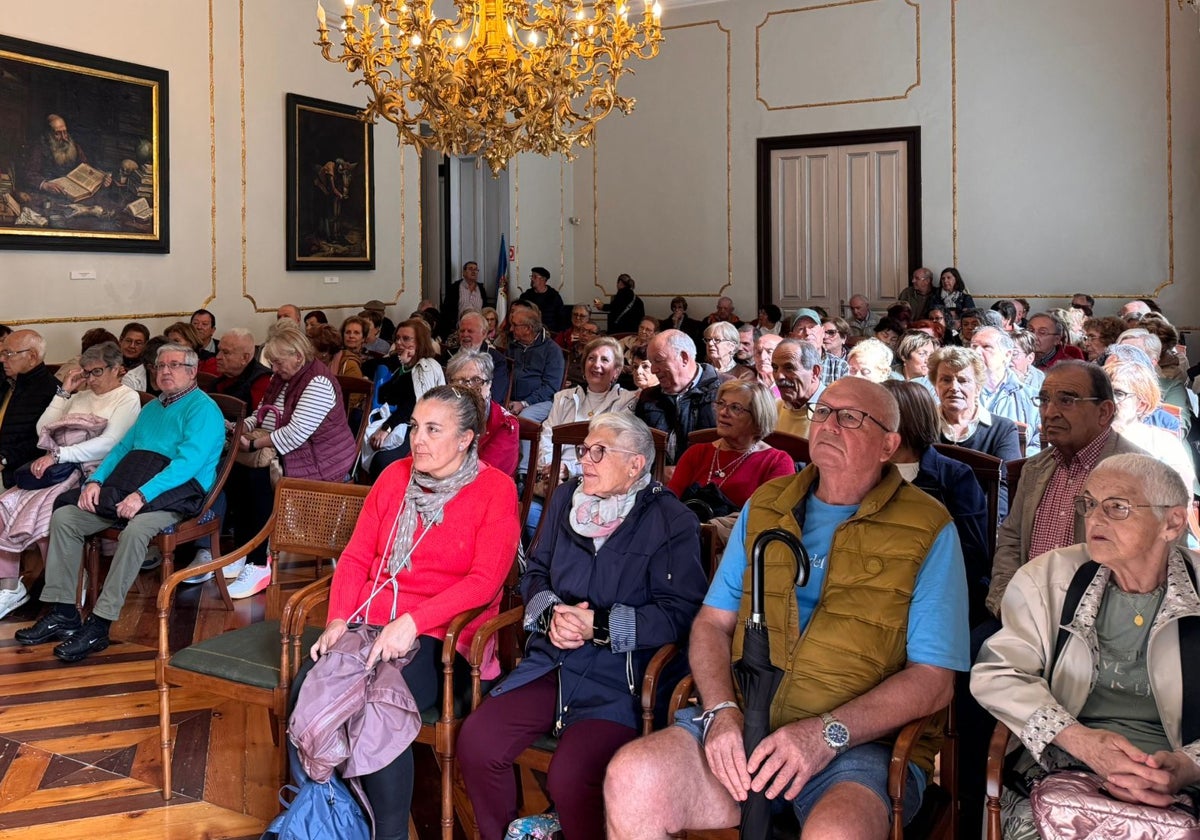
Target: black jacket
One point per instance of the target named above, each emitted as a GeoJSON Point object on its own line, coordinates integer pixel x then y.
{"type": "Point", "coordinates": [682, 415]}
{"type": "Point", "coordinates": [449, 322]}
{"type": "Point", "coordinates": [31, 393]}
{"type": "Point", "coordinates": [625, 312]}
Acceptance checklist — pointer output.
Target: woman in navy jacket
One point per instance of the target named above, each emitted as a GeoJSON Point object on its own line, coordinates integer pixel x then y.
{"type": "Point", "coordinates": [615, 574]}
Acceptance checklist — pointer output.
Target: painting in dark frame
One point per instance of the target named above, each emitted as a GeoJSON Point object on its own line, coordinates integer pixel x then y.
{"type": "Point", "coordinates": [83, 151]}
{"type": "Point", "coordinates": [330, 186]}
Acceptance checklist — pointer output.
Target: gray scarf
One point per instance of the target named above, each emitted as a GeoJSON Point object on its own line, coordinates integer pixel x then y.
{"type": "Point", "coordinates": [427, 496]}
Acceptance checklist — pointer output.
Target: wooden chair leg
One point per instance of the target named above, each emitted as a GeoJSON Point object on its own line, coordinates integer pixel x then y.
{"type": "Point", "coordinates": [164, 735]}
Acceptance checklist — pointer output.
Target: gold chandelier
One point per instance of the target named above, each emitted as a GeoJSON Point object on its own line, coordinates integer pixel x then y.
{"type": "Point", "coordinates": [506, 76]}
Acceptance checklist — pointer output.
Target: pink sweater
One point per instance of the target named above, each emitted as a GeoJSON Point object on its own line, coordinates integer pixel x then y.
{"type": "Point", "coordinates": [459, 564]}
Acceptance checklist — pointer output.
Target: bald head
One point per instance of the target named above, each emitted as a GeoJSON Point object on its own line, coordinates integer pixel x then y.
{"type": "Point", "coordinates": [23, 351]}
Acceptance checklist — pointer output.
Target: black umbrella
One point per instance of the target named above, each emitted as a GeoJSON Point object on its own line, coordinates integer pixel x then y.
{"type": "Point", "coordinates": [757, 677]}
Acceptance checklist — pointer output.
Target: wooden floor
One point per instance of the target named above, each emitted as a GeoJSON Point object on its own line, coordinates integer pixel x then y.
{"type": "Point", "coordinates": [79, 750]}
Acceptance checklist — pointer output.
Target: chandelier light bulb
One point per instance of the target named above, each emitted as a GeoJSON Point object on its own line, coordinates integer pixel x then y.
{"type": "Point", "coordinates": [321, 16]}
{"type": "Point", "coordinates": [459, 43]}
{"type": "Point", "coordinates": [416, 39]}
{"type": "Point", "coordinates": [657, 11]}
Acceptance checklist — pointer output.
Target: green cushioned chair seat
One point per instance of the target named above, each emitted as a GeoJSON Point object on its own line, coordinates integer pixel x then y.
{"type": "Point", "coordinates": [546, 742]}
{"type": "Point", "coordinates": [248, 655]}
{"type": "Point", "coordinates": [462, 704]}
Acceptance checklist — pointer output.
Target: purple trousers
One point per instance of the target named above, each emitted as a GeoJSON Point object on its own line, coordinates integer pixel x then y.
{"type": "Point", "coordinates": [502, 727]}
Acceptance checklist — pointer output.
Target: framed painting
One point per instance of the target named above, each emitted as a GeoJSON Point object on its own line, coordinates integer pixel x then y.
{"type": "Point", "coordinates": [330, 186]}
{"type": "Point", "coordinates": [83, 152]}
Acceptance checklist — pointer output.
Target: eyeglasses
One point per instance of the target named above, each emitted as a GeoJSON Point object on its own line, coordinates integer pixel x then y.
{"type": "Point", "coordinates": [1114, 508]}
{"type": "Point", "coordinates": [719, 341]}
{"type": "Point", "coordinates": [1061, 400]}
{"type": "Point", "coordinates": [472, 382]}
{"type": "Point", "coordinates": [595, 453]}
{"type": "Point", "coordinates": [733, 408]}
{"type": "Point", "coordinates": [94, 373]}
{"type": "Point", "coordinates": [8, 354]}
{"type": "Point", "coordinates": [847, 418]}
{"type": "Point", "coordinates": [1121, 396]}
{"type": "Point", "coordinates": [830, 332]}
{"type": "Point", "coordinates": [174, 366]}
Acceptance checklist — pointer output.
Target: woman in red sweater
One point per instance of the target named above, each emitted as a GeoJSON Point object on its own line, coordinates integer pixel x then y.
{"type": "Point", "coordinates": [436, 537]}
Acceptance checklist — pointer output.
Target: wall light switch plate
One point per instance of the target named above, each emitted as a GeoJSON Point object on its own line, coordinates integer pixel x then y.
{"type": "Point", "coordinates": [330, 280]}
{"type": "Point", "coordinates": [83, 275]}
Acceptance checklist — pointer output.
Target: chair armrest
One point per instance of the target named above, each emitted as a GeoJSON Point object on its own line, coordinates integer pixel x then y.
{"type": "Point", "coordinates": [455, 629]}
{"type": "Point", "coordinates": [997, 749]}
{"type": "Point", "coordinates": [167, 590]}
{"type": "Point", "coordinates": [901, 751]}
{"type": "Point", "coordinates": [295, 613]}
{"type": "Point", "coordinates": [682, 695]}
{"type": "Point", "coordinates": [479, 642]}
{"type": "Point", "coordinates": [651, 680]}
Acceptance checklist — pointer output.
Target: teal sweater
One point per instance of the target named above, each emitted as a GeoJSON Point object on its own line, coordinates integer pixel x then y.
{"type": "Point", "coordinates": [190, 431]}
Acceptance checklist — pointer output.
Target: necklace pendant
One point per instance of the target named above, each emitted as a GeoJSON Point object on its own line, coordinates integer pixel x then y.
{"type": "Point", "coordinates": [719, 473]}
{"type": "Point", "coordinates": [1138, 620]}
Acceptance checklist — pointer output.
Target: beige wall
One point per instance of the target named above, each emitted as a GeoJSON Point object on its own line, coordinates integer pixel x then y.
{"type": "Point", "coordinates": [1044, 131]}
{"type": "Point", "coordinates": [1060, 167]}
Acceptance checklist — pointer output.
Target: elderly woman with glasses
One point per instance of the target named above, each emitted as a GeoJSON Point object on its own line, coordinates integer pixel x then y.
{"type": "Point", "coordinates": [88, 415]}
{"type": "Point", "coordinates": [499, 445]}
{"type": "Point", "coordinates": [1086, 669]}
{"type": "Point", "coordinates": [738, 462]}
{"type": "Point", "coordinates": [1137, 395]}
{"type": "Point", "coordinates": [615, 574]}
{"type": "Point", "coordinates": [720, 343]}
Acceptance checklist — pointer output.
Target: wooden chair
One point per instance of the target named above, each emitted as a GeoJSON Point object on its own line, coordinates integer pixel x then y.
{"type": "Point", "coordinates": [145, 397]}
{"type": "Point", "coordinates": [255, 664]}
{"type": "Point", "coordinates": [1013, 468]}
{"type": "Point", "coordinates": [357, 386]}
{"type": "Point", "coordinates": [205, 381]}
{"type": "Point", "coordinates": [994, 784]}
{"type": "Point", "coordinates": [989, 471]}
{"type": "Point", "coordinates": [529, 431]}
{"type": "Point", "coordinates": [937, 818]}
{"type": "Point", "coordinates": [206, 523]}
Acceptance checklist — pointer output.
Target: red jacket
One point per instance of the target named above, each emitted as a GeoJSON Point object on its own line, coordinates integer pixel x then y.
{"type": "Point", "coordinates": [500, 445]}
{"type": "Point", "coordinates": [457, 566]}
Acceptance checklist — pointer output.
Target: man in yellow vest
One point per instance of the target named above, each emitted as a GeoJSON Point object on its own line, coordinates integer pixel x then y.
{"type": "Point", "coordinates": [869, 644]}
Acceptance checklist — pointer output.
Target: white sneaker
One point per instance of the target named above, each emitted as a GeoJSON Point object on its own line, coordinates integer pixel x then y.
{"type": "Point", "coordinates": [153, 558]}
{"type": "Point", "coordinates": [234, 569]}
{"type": "Point", "coordinates": [203, 555]}
{"type": "Point", "coordinates": [10, 599]}
{"type": "Point", "coordinates": [252, 580]}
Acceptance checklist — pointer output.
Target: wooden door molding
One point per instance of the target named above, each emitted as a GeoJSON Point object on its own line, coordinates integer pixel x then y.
{"type": "Point", "coordinates": [909, 135]}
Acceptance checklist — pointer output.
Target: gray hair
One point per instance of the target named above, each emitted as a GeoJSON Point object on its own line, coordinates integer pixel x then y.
{"type": "Point", "coordinates": [810, 356]}
{"type": "Point", "coordinates": [1151, 343]}
{"type": "Point", "coordinates": [240, 334]}
{"type": "Point", "coordinates": [722, 330]}
{"type": "Point", "coordinates": [190, 358]}
{"type": "Point", "coordinates": [462, 358]}
{"type": "Point", "coordinates": [1161, 484]}
{"type": "Point", "coordinates": [681, 342]}
{"type": "Point", "coordinates": [1128, 353]}
{"type": "Point", "coordinates": [1002, 338]}
{"type": "Point", "coordinates": [632, 434]}
{"type": "Point", "coordinates": [990, 318]}
{"type": "Point", "coordinates": [872, 351]}
{"type": "Point", "coordinates": [107, 353]}
{"type": "Point", "coordinates": [476, 314]}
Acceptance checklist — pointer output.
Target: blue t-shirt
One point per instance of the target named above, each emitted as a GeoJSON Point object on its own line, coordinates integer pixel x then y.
{"type": "Point", "coordinates": [938, 632]}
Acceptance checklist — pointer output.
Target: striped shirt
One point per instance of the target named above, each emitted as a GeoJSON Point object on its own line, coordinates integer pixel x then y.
{"type": "Point", "coordinates": [314, 404]}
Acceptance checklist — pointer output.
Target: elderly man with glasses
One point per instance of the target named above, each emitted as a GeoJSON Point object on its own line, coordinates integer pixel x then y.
{"type": "Point", "coordinates": [858, 662]}
{"type": "Point", "coordinates": [29, 388]}
{"type": "Point", "coordinates": [156, 476]}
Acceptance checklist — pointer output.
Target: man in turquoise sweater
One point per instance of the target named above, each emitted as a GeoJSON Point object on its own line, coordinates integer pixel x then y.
{"type": "Point", "coordinates": [185, 426]}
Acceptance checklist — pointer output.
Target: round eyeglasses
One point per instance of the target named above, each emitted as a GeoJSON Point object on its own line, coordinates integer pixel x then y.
{"type": "Point", "coordinates": [595, 453]}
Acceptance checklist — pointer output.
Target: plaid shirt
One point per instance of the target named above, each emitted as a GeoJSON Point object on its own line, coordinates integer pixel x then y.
{"type": "Point", "coordinates": [1054, 522]}
{"type": "Point", "coordinates": [833, 369]}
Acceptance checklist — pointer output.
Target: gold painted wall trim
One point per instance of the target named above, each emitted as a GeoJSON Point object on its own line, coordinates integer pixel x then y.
{"type": "Point", "coordinates": [1170, 279]}
{"type": "Point", "coordinates": [758, 58]}
{"type": "Point", "coordinates": [728, 177]}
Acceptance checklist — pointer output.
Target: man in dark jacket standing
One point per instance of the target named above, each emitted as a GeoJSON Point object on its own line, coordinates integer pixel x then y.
{"type": "Point", "coordinates": [547, 299]}
{"type": "Point", "coordinates": [462, 296]}
{"type": "Point", "coordinates": [626, 310]}
{"type": "Point", "coordinates": [31, 386]}
{"type": "Point", "coordinates": [682, 401]}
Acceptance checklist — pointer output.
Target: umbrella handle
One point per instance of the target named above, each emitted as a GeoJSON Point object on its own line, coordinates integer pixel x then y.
{"type": "Point", "coordinates": [758, 559]}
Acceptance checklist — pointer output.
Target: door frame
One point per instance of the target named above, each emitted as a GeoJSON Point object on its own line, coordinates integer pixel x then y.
{"type": "Point", "coordinates": [909, 135]}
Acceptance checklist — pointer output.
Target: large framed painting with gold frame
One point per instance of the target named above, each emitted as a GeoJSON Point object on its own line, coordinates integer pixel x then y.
{"type": "Point", "coordinates": [330, 186]}
{"type": "Point", "coordinates": [83, 151]}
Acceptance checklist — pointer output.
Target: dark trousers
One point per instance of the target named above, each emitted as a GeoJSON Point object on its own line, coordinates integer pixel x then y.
{"type": "Point", "coordinates": [389, 791]}
{"type": "Point", "coordinates": [250, 498]}
{"type": "Point", "coordinates": [503, 726]}
{"type": "Point", "coordinates": [975, 727]}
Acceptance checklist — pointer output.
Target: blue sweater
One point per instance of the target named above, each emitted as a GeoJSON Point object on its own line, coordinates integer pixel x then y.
{"type": "Point", "coordinates": [190, 431]}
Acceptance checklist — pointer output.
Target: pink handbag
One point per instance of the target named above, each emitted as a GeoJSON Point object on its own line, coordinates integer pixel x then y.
{"type": "Point", "coordinates": [1073, 805]}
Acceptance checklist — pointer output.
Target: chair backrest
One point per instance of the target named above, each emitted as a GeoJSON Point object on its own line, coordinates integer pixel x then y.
{"type": "Point", "coordinates": [53, 367]}
{"type": "Point", "coordinates": [146, 398]}
{"type": "Point", "coordinates": [529, 431]}
{"type": "Point", "coordinates": [1022, 436]}
{"type": "Point", "coordinates": [989, 471]}
{"type": "Point", "coordinates": [234, 411]}
{"type": "Point", "coordinates": [205, 381]}
{"type": "Point", "coordinates": [315, 518]}
{"type": "Point", "coordinates": [350, 386]}
{"type": "Point", "coordinates": [1013, 468]}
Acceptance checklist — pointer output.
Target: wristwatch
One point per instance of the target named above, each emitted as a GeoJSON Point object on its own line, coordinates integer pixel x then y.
{"type": "Point", "coordinates": [836, 735]}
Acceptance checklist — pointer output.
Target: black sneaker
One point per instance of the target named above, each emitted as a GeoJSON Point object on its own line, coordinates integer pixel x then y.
{"type": "Point", "coordinates": [53, 626]}
{"type": "Point", "coordinates": [93, 638]}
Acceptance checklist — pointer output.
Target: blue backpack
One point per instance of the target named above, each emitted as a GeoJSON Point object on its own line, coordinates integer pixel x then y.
{"type": "Point", "coordinates": [318, 811]}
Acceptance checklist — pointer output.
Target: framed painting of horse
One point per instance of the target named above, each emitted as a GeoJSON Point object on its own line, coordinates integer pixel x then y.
{"type": "Point", "coordinates": [330, 186]}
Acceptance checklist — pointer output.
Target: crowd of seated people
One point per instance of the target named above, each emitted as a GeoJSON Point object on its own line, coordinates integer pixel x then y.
{"type": "Point", "coordinates": [882, 496]}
